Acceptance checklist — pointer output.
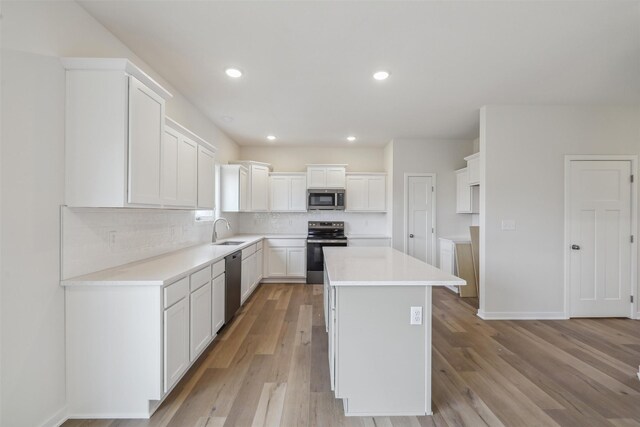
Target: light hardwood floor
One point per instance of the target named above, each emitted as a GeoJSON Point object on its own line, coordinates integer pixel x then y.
{"type": "Point", "coordinates": [269, 367]}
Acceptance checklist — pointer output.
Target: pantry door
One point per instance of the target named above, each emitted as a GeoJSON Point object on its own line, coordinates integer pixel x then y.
{"type": "Point", "coordinates": [419, 192]}
{"type": "Point", "coordinates": [600, 243]}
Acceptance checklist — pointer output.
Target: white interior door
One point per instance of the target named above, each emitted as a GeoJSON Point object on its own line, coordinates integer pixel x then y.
{"type": "Point", "coordinates": [419, 217]}
{"type": "Point", "coordinates": [600, 238]}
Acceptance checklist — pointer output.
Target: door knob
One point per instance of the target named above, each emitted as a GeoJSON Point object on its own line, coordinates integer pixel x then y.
{"type": "Point", "coordinates": [411, 236]}
{"type": "Point", "coordinates": [575, 247]}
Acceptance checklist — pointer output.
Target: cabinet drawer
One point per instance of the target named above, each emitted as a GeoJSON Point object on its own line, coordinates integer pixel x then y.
{"type": "Point", "coordinates": [217, 269]}
{"type": "Point", "coordinates": [200, 278]}
{"type": "Point", "coordinates": [175, 292]}
{"type": "Point", "coordinates": [259, 245]}
{"type": "Point", "coordinates": [248, 251]}
{"type": "Point", "coordinates": [287, 243]}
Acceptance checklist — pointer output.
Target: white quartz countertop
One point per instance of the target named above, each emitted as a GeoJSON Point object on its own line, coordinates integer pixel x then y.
{"type": "Point", "coordinates": [167, 268]}
{"type": "Point", "coordinates": [364, 266]}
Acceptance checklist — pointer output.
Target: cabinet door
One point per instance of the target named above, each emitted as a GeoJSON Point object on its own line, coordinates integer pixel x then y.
{"type": "Point", "coordinates": [335, 177]}
{"type": "Point", "coordinates": [463, 192]}
{"type": "Point", "coordinates": [176, 342]}
{"type": "Point", "coordinates": [279, 189]}
{"type": "Point", "coordinates": [218, 294]}
{"type": "Point", "coordinates": [259, 265]}
{"type": "Point", "coordinates": [187, 172]}
{"type": "Point", "coordinates": [296, 262]}
{"type": "Point", "coordinates": [169, 180]}
{"type": "Point", "coordinates": [259, 188]}
{"type": "Point", "coordinates": [146, 129]}
{"type": "Point", "coordinates": [377, 193]}
{"type": "Point", "coordinates": [473, 165]}
{"type": "Point", "coordinates": [245, 279]}
{"type": "Point", "coordinates": [200, 319]}
{"type": "Point", "coordinates": [243, 190]}
{"type": "Point", "coordinates": [356, 193]}
{"type": "Point", "coordinates": [276, 262]}
{"type": "Point", "coordinates": [316, 177]}
{"type": "Point", "coordinates": [298, 194]}
{"type": "Point", "coordinates": [206, 178]}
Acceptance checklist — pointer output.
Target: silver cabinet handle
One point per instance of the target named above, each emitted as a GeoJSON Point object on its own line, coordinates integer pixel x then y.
{"type": "Point", "coordinates": [411, 236]}
{"type": "Point", "coordinates": [575, 247]}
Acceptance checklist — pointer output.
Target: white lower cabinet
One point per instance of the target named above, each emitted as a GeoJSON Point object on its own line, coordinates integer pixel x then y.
{"type": "Point", "coordinates": [217, 305]}
{"type": "Point", "coordinates": [200, 320]}
{"type": "Point", "coordinates": [285, 258]}
{"type": "Point", "coordinates": [250, 271]}
{"type": "Point", "coordinates": [176, 342]}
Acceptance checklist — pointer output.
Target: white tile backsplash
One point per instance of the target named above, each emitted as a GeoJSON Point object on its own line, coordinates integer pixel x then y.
{"type": "Point", "coordinates": [95, 239]}
{"type": "Point", "coordinates": [296, 222]}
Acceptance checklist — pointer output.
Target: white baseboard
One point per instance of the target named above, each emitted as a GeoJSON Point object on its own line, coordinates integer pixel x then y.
{"type": "Point", "coordinates": [57, 419]}
{"type": "Point", "coordinates": [284, 280]}
{"type": "Point", "coordinates": [521, 315]}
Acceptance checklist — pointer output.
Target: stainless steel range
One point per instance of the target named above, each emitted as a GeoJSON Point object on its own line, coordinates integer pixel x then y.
{"type": "Point", "coordinates": [320, 234]}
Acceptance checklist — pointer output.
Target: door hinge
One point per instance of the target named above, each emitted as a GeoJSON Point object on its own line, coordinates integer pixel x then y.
{"type": "Point", "coordinates": [433, 188]}
{"type": "Point", "coordinates": [631, 178]}
{"type": "Point", "coordinates": [632, 238]}
{"type": "Point", "coordinates": [631, 298]}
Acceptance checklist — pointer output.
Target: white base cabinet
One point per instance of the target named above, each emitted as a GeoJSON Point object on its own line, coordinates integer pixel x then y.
{"type": "Point", "coordinates": [218, 294]}
{"type": "Point", "coordinates": [251, 273]}
{"type": "Point", "coordinates": [200, 320]}
{"type": "Point", "coordinates": [176, 342]}
{"type": "Point", "coordinates": [285, 258]}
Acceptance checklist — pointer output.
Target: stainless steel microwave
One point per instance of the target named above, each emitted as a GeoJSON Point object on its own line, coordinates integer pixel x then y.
{"type": "Point", "coordinates": [329, 199]}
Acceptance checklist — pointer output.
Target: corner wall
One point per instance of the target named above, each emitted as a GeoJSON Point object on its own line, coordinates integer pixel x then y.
{"type": "Point", "coordinates": [522, 153]}
{"type": "Point", "coordinates": [34, 35]}
{"type": "Point", "coordinates": [441, 157]}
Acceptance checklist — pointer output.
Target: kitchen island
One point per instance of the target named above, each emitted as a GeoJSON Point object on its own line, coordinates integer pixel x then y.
{"type": "Point", "coordinates": [377, 305]}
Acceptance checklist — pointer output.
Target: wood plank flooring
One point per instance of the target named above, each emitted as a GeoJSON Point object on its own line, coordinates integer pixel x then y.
{"type": "Point", "coordinates": [269, 368]}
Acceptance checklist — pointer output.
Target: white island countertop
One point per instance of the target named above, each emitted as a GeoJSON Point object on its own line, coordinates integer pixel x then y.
{"type": "Point", "coordinates": [363, 266]}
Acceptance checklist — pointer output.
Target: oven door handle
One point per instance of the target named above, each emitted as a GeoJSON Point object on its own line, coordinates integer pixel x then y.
{"type": "Point", "coordinates": [326, 241]}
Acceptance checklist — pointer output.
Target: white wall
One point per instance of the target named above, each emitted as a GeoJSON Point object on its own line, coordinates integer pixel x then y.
{"type": "Point", "coordinates": [523, 149]}
{"type": "Point", "coordinates": [34, 35]}
{"type": "Point", "coordinates": [294, 159]}
{"type": "Point", "coordinates": [441, 157]}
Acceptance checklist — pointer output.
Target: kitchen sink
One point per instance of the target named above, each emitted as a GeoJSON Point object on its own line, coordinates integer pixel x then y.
{"type": "Point", "coordinates": [229, 243]}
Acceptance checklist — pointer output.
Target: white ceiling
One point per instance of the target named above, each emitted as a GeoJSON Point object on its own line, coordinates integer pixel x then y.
{"type": "Point", "coordinates": [308, 64]}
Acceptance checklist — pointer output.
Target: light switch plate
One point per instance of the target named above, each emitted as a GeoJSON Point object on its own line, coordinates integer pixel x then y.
{"type": "Point", "coordinates": [508, 225]}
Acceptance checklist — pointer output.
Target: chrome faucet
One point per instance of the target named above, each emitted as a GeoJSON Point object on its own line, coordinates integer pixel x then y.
{"type": "Point", "coordinates": [214, 235]}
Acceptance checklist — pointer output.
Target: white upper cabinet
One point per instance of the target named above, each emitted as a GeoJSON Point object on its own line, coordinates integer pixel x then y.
{"type": "Point", "coordinates": [259, 176]}
{"type": "Point", "coordinates": [466, 196]}
{"type": "Point", "coordinates": [233, 186]}
{"type": "Point", "coordinates": [473, 166]}
{"type": "Point", "coordinates": [206, 178]}
{"type": "Point", "coordinates": [366, 192]}
{"type": "Point", "coordinates": [187, 169]}
{"type": "Point", "coordinates": [113, 134]}
{"type": "Point", "coordinates": [288, 192]}
{"type": "Point", "coordinates": [179, 169]}
{"type": "Point", "coordinates": [326, 176]}
{"type": "Point", "coordinates": [257, 189]}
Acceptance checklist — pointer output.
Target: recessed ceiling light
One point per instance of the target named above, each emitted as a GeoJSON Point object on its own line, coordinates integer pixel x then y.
{"type": "Point", "coordinates": [381, 75]}
{"type": "Point", "coordinates": [233, 73]}
{"type": "Point", "coordinates": [351, 138]}
{"type": "Point", "coordinates": [271, 137]}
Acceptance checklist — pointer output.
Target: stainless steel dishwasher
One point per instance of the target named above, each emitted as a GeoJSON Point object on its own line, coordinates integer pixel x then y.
{"type": "Point", "coordinates": [233, 278]}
